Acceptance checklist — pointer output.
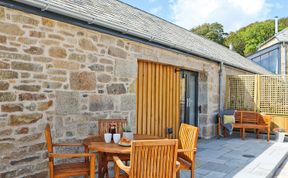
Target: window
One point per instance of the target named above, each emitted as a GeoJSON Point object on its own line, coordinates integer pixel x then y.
{"type": "Point", "coordinates": [269, 59]}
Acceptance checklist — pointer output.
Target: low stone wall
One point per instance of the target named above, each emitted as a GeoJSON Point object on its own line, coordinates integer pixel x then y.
{"type": "Point", "coordinates": [67, 76]}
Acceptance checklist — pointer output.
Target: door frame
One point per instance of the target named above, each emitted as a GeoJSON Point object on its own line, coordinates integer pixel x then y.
{"type": "Point", "coordinates": [186, 113]}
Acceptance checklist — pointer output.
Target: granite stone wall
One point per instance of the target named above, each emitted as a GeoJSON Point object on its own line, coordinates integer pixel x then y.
{"type": "Point", "coordinates": [53, 72]}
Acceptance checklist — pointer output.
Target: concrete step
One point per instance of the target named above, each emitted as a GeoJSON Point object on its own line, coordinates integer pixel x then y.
{"type": "Point", "coordinates": [282, 172]}
{"type": "Point", "coordinates": [266, 164]}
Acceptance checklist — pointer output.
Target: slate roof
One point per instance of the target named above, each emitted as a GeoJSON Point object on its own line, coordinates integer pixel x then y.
{"type": "Point", "coordinates": [281, 36]}
{"type": "Point", "coordinates": [134, 21]}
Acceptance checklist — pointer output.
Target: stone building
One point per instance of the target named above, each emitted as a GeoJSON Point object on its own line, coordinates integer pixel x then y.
{"type": "Point", "coordinates": [272, 54]}
{"type": "Point", "coordinates": [70, 63]}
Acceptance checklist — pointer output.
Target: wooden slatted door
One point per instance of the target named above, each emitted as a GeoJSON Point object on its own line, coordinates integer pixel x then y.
{"type": "Point", "coordinates": [158, 99]}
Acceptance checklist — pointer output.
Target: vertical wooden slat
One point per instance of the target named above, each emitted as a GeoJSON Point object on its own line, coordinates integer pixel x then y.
{"type": "Point", "coordinates": [149, 91]}
{"type": "Point", "coordinates": [157, 99]}
{"type": "Point", "coordinates": [153, 92]}
{"type": "Point", "coordinates": [144, 121]}
{"type": "Point", "coordinates": [164, 97]}
{"type": "Point", "coordinates": [161, 81]}
{"type": "Point", "coordinates": [174, 104]}
{"type": "Point", "coordinates": [179, 87]}
{"type": "Point", "coordinates": [139, 98]}
{"type": "Point", "coordinates": [171, 98]}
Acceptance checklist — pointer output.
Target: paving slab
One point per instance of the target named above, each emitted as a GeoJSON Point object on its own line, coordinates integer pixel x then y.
{"type": "Point", "coordinates": [266, 164]}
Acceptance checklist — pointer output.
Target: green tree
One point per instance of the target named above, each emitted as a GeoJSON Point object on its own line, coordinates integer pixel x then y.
{"type": "Point", "coordinates": [246, 40]}
{"type": "Point", "coordinates": [213, 31]}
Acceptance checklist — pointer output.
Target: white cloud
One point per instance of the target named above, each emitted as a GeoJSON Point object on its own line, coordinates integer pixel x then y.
{"type": "Point", "coordinates": [233, 14]}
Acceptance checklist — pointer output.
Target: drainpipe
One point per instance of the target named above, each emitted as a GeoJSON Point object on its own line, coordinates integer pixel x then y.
{"type": "Point", "coordinates": [285, 58]}
{"type": "Point", "coordinates": [221, 80]}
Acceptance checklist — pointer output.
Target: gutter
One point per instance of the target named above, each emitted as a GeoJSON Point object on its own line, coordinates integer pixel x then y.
{"type": "Point", "coordinates": [53, 7]}
{"type": "Point", "coordinates": [91, 20]}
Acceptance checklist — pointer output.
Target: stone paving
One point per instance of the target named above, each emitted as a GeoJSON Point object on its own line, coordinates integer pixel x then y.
{"type": "Point", "coordinates": [224, 158]}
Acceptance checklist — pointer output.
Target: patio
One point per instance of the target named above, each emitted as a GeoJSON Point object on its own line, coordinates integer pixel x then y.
{"type": "Point", "coordinates": [224, 158]}
{"type": "Point", "coordinates": [70, 74]}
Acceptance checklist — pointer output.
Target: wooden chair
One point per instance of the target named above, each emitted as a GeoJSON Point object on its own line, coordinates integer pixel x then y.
{"type": "Point", "coordinates": [103, 125]}
{"type": "Point", "coordinates": [188, 136]}
{"type": "Point", "coordinates": [68, 169]}
{"type": "Point", "coordinates": [150, 159]}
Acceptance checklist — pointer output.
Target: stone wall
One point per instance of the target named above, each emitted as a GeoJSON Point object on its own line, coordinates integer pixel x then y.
{"type": "Point", "coordinates": [53, 72]}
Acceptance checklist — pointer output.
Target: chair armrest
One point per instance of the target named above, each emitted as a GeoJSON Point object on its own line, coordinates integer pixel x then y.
{"type": "Point", "coordinates": [219, 120]}
{"type": "Point", "coordinates": [121, 165]}
{"type": "Point", "coordinates": [267, 119]}
{"type": "Point", "coordinates": [73, 155]}
{"type": "Point", "coordinates": [68, 144]}
{"type": "Point", "coordinates": [186, 150]}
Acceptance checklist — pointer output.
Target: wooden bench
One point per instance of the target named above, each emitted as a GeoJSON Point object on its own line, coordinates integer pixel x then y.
{"type": "Point", "coordinates": [248, 120]}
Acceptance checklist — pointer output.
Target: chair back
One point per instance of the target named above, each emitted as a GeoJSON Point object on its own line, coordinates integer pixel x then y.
{"type": "Point", "coordinates": [154, 158]}
{"type": "Point", "coordinates": [104, 124]}
{"type": "Point", "coordinates": [48, 139]}
{"type": "Point", "coordinates": [188, 136]}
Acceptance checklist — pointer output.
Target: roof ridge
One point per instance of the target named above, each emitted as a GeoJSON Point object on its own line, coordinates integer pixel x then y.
{"type": "Point", "coordinates": [200, 36]}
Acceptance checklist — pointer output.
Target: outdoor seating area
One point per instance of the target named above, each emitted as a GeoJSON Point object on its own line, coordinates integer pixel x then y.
{"type": "Point", "coordinates": [153, 156]}
{"type": "Point", "coordinates": [148, 156]}
{"type": "Point", "coordinates": [101, 89]}
{"type": "Point", "coordinates": [246, 120]}
{"type": "Point", "coordinates": [225, 158]}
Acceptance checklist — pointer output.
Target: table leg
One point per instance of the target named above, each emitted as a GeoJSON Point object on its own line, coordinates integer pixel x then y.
{"type": "Point", "coordinates": [243, 133]}
{"type": "Point", "coordinates": [105, 166]}
{"type": "Point", "coordinates": [100, 165]}
{"type": "Point", "coordinates": [86, 151]}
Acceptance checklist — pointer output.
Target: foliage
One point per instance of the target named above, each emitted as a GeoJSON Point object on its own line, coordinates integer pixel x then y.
{"type": "Point", "coordinates": [127, 128]}
{"type": "Point", "coordinates": [213, 31]}
{"type": "Point", "coordinates": [246, 40]}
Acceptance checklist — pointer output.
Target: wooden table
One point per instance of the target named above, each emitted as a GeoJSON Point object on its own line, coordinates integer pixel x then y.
{"type": "Point", "coordinates": [107, 150]}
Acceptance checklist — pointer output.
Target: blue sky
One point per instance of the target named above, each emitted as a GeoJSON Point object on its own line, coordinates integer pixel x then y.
{"type": "Point", "coordinates": [233, 14]}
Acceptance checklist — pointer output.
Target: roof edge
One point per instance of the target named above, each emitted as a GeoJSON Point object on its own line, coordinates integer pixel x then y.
{"type": "Point", "coordinates": [50, 7]}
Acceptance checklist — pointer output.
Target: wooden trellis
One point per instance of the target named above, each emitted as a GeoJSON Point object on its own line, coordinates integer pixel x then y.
{"type": "Point", "coordinates": [273, 97]}
{"type": "Point", "coordinates": [262, 93]}
{"type": "Point", "coordinates": [241, 92]}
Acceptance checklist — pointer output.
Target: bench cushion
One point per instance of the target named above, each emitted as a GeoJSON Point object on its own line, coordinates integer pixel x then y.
{"type": "Point", "coordinates": [229, 119]}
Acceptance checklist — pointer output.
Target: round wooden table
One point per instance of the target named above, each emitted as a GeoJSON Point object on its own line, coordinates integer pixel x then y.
{"type": "Point", "coordinates": [106, 151]}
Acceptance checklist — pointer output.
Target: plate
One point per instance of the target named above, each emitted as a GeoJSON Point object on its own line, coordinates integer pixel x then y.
{"type": "Point", "coordinates": [126, 145]}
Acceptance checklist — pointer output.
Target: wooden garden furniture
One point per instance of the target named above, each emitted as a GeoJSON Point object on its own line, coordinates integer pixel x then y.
{"type": "Point", "coordinates": [106, 151]}
{"type": "Point", "coordinates": [86, 168]}
{"type": "Point", "coordinates": [248, 120]}
{"type": "Point", "coordinates": [188, 137]}
{"type": "Point", "coordinates": [150, 159]}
